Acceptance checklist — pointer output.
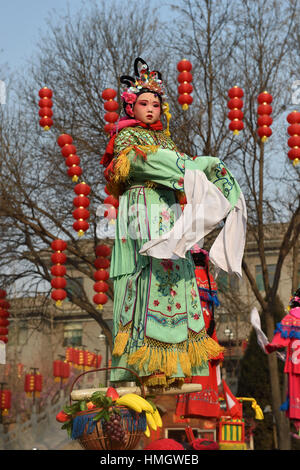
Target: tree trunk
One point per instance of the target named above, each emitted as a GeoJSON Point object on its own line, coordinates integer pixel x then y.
{"type": "Point", "coordinates": [282, 423]}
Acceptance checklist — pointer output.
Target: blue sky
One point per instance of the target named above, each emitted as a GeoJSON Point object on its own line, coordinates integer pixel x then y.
{"type": "Point", "coordinates": [20, 25]}
{"type": "Point", "coordinates": [21, 22]}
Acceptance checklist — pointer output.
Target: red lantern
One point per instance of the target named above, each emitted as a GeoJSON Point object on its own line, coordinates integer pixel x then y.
{"type": "Point", "coordinates": [101, 275]}
{"type": "Point", "coordinates": [101, 263]}
{"type": "Point", "coordinates": [80, 358]}
{"type": "Point", "coordinates": [65, 370]}
{"type": "Point", "coordinates": [81, 214]}
{"type": "Point", "coordinates": [58, 270]}
{"type": "Point", "coordinates": [235, 105]}
{"type": "Point", "coordinates": [103, 250]}
{"type": "Point", "coordinates": [185, 88]}
{"type": "Point", "coordinates": [64, 139]}
{"type": "Point", "coordinates": [57, 370]}
{"type": "Point", "coordinates": [100, 300]}
{"type": "Point", "coordinates": [38, 383]}
{"type": "Point", "coordinates": [294, 141]}
{"type": "Point", "coordinates": [45, 93]}
{"type": "Point", "coordinates": [111, 106]}
{"type": "Point", "coordinates": [4, 313]}
{"type": "Point", "coordinates": [5, 401]}
{"type": "Point", "coordinates": [45, 103]}
{"type": "Point", "coordinates": [45, 111]}
{"type": "Point", "coordinates": [4, 304]}
{"type": "Point", "coordinates": [70, 354]}
{"type": "Point", "coordinates": [58, 282]}
{"type": "Point", "coordinates": [29, 384]}
{"type": "Point", "coordinates": [82, 189]}
{"type": "Point", "coordinates": [264, 110]}
{"type": "Point", "coordinates": [59, 295]}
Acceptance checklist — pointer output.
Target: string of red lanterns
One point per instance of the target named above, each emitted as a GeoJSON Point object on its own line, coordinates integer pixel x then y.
{"type": "Point", "coordinates": [264, 120]}
{"type": "Point", "coordinates": [185, 88]}
{"type": "Point", "coordinates": [72, 160]}
{"type": "Point", "coordinates": [5, 401]}
{"type": "Point", "coordinates": [81, 213]}
{"type": "Point", "coordinates": [235, 105]}
{"type": "Point", "coordinates": [101, 275]}
{"type": "Point", "coordinates": [294, 141]}
{"type": "Point", "coordinates": [111, 107]}
{"type": "Point", "coordinates": [4, 314]}
{"type": "Point", "coordinates": [58, 270]}
{"type": "Point", "coordinates": [111, 206]}
{"type": "Point", "coordinates": [84, 358]}
{"type": "Point", "coordinates": [45, 105]}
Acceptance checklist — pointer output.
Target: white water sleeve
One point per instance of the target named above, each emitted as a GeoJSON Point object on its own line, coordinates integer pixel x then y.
{"type": "Point", "coordinates": [206, 207]}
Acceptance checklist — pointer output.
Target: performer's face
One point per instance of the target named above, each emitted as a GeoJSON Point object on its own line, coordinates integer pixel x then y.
{"type": "Point", "coordinates": [147, 108]}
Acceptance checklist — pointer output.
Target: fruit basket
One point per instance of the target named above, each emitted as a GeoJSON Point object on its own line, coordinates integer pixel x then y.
{"type": "Point", "coordinates": [107, 421]}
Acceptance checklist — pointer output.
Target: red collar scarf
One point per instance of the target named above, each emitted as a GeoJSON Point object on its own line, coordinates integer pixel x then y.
{"type": "Point", "coordinates": [125, 122]}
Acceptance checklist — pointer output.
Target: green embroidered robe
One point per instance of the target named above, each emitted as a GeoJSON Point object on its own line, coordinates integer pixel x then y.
{"type": "Point", "coordinates": [158, 323]}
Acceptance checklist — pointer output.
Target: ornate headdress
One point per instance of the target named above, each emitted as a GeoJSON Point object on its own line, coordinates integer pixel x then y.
{"type": "Point", "coordinates": [144, 80]}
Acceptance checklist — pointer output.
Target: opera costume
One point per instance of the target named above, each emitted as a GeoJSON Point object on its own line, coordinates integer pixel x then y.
{"type": "Point", "coordinates": [159, 330]}
{"type": "Point", "coordinates": [287, 335]}
{"type": "Point", "coordinates": [206, 402]}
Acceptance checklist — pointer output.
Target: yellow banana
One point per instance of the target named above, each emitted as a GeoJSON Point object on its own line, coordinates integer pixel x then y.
{"type": "Point", "coordinates": [150, 421]}
{"type": "Point", "coordinates": [147, 432]}
{"type": "Point", "coordinates": [157, 418]}
{"type": "Point", "coordinates": [145, 405]}
{"type": "Point", "coordinates": [129, 402]}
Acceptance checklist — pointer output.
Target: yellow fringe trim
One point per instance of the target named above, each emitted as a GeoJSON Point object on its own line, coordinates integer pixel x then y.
{"type": "Point", "coordinates": [121, 339]}
{"type": "Point", "coordinates": [161, 381]}
{"type": "Point", "coordinates": [122, 165]}
{"type": "Point", "coordinates": [164, 357]}
{"type": "Point", "coordinates": [116, 185]}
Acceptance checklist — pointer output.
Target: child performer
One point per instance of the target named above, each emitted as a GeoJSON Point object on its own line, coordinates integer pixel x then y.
{"type": "Point", "coordinates": [159, 329]}
{"type": "Point", "coordinates": [287, 335]}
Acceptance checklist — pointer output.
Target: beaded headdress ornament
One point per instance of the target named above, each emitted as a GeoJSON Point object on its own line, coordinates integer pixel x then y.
{"type": "Point", "coordinates": [144, 80]}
